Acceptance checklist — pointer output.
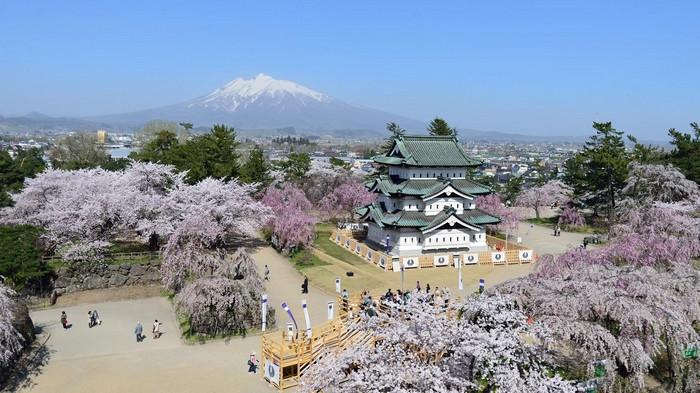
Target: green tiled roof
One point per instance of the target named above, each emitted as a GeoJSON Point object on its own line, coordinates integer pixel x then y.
{"type": "Point", "coordinates": [425, 187]}
{"type": "Point", "coordinates": [423, 150]}
{"type": "Point", "coordinates": [419, 220]}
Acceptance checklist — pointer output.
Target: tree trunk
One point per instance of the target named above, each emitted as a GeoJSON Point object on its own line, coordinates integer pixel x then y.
{"type": "Point", "coordinates": [537, 212]}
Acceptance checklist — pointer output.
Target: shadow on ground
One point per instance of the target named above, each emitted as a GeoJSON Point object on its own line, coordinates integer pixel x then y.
{"type": "Point", "coordinates": [22, 375]}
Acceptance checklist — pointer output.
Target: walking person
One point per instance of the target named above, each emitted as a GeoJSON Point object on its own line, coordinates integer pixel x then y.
{"type": "Point", "coordinates": [253, 363]}
{"type": "Point", "coordinates": [267, 273]}
{"type": "Point", "coordinates": [138, 331]}
{"type": "Point", "coordinates": [156, 329]}
{"type": "Point", "coordinates": [305, 285]}
{"type": "Point", "coordinates": [91, 320]}
{"type": "Point", "coordinates": [64, 320]}
{"type": "Point", "coordinates": [417, 286]}
{"type": "Point", "coordinates": [96, 316]}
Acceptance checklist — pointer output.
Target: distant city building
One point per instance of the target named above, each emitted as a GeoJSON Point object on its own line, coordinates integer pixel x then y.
{"type": "Point", "coordinates": [426, 201]}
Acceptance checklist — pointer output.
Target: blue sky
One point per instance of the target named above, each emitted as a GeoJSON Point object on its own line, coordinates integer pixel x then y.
{"type": "Point", "coordinates": [541, 68]}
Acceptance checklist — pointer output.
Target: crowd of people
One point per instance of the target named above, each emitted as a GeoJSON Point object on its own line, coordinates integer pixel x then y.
{"type": "Point", "coordinates": [394, 300]}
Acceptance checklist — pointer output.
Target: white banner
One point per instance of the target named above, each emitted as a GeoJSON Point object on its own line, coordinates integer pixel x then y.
{"type": "Point", "coordinates": [272, 372]}
{"type": "Point", "coordinates": [337, 284]}
{"type": "Point", "coordinates": [290, 331]}
{"type": "Point", "coordinates": [441, 260]}
{"type": "Point", "coordinates": [369, 255]}
{"type": "Point", "coordinates": [498, 257]}
{"type": "Point", "coordinates": [410, 262]}
{"type": "Point", "coordinates": [264, 312]}
{"type": "Point", "coordinates": [525, 255]}
{"type": "Point", "coordinates": [357, 249]}
{"type": "Point", "coordinates": [471, 259]}
{"type": "Point", "coordinates": [305, 307]}
{"type": "Point", "coordinates": [460, 284]}
{"type": "Point", "coordinates": [331, 311]}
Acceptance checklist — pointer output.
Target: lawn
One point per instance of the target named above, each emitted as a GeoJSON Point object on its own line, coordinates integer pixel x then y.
{"type": "Point", "coordinates": [325, 244]}
{"type": "Point", "coordinates": [305, 259]}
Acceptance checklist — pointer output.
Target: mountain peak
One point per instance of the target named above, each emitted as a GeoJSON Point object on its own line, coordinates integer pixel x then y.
{"type": "Point", "coordinates": [240, 93]}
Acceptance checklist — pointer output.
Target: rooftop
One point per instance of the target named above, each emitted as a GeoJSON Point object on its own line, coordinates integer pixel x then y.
{"type": "Point", "coordinates": [424, 187]}
{"type": "Point", "coordinates": [416, 219]}
{"type": "Point", "coordinates": [427, 150]}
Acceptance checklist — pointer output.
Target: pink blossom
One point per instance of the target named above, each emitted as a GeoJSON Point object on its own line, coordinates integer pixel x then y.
{"type": "Point", "coordinates": [292, 226]}
{"type": "Point", "coordinates": [11, 341]}
{"type": "Point", "coordinates": [492, 204]}
{"type": "Point", "coordinates": [345, 198]}
{"type": "Point", "coordinates": [552, 193]}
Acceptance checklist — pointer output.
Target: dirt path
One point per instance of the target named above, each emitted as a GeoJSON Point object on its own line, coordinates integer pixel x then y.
{"type": "Point", "coordinates": [107, 358]}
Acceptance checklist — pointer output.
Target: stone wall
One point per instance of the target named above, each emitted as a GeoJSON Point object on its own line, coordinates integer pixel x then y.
{"type": "Point", "coordinates": [106, 276]}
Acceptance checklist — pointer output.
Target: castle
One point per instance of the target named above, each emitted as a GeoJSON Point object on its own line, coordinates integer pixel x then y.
{"type": "Point", "coordinates": [426, 200]}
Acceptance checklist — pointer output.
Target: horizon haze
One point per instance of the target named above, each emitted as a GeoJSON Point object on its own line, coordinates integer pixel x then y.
{"type": "Point", "coordinates": [543, 68]}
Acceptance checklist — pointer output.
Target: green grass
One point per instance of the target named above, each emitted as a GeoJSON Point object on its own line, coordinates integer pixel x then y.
{"type": "Point", "coordinates": [306, 259]}
{"type": "Point", "coordinates": [325, 244]}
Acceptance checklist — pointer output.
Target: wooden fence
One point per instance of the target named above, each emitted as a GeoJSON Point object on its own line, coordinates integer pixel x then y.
{"type": "Point", "coordinates": [286, 360]}
{"type": "Point", "coordinates": [498, 254]}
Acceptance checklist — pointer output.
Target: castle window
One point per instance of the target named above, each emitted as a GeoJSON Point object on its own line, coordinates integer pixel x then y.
{"type": "Point", "coordinates": [420, 174]}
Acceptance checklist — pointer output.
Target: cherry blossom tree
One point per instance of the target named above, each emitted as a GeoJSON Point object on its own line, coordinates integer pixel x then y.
{"type": "Point", "coordinates": [11, 340]}
{"type": "Point", "coordinates": [323, 178]}
{"type": "Point", "coordinates": [492, 204]}
{"type": "Point", "coordinates": [292, 226]}
{"type": "Point", "coordinates": [551, 193]}
{"type": "Point", "coordinates": [483, 349]}
{"type": "Point", "coordinates": [227, 301]}
{"type": "Point", "coordinates": [341, 203]}
{"type": "Point", "coordinates": [571, 217]}
{"type": "Point", "coordinates": [634, 318]}
{"type": "Point", "coordinates": [82, 211]}
{"type": "Point", "coordinates": [211, 214]}
{"type": "Point", "coordinates": [648, 184]}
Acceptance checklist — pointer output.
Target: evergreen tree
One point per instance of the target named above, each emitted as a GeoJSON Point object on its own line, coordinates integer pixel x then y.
{"type": "Point", "coordinates": [209, 155]}
{"type": "Point", "coordinates": [26, 163]}
{"type": "Point", "coordinates": [256, 169]}
{"type": "Point", "coordinates": [395, 131]}
{"type": "Point", "coordinates": [295, 166]}
{"type": "Point", "coordinates": [686, 152]}
{"type": "Point", "coordinates": [512, 189]}
{"type": "Point", "coordinates": [439, 127]}
{"type": "Point", "coordinates": [600, 169]}
{"type": "Point", "coordinates": [646, 154]}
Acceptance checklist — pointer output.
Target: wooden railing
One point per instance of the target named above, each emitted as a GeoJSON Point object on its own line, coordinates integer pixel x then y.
{"type": "Point", "coordinates": [294, 357]}
{"type": "Point", "coordinates": [500, 253]}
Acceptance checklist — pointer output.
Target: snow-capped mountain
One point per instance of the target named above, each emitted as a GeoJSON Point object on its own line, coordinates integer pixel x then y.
{"type": "Point", "coordinates": [264, 103]}
{"type": "Point", "coordinates": [241, 93]}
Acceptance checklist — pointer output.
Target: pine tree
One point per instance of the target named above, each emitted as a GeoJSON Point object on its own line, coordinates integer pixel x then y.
{"type": "Point", "coordinates": [256, 169]}
{"type": "Point", "coordinates": [439, 127]}
{"type": "Point", "coordinates": [600, 169]}
{"type": "Point", "coordinates": [686, 152]}
{"type": "Point", "coordinates": [395, 131]}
